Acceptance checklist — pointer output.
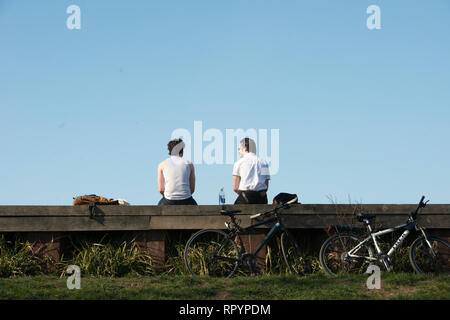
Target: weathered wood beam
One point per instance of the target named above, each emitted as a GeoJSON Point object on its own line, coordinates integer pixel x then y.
{"type": "Point", "coordinates": [77, 211]}
{"type": "Point", "coordinates": [117, 218]}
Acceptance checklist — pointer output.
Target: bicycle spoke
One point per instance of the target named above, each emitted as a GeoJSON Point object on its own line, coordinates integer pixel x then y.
{"type": "Point", "coordinates": [434, 259]}
{"type": "Point", "coordinates": [334, 256]}
{"type": "Point", "coordinates": [211, 252]}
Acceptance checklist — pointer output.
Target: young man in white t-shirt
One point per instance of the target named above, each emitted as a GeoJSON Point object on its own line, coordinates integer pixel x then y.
{"type": "Point", "coordinates": [176, 177]}
{"type": "Point", "coordinates": [250, 175]}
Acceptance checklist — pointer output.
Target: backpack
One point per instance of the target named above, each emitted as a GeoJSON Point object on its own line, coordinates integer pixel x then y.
{"type": "Point", "coordinates": [283, 197]}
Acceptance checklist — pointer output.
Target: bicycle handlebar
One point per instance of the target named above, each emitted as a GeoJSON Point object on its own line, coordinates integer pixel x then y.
{"type": "Point", "coordinates": [256, 216]}
{"type": "Point", "coordinates": [419, 206]}
{"type": "Point", "coordinates": [421, 201]}
{"type": "Point", "coordinates": [276, 208]}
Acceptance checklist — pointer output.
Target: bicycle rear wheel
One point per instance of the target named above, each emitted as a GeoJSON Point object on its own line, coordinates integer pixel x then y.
{"type": "Point", "coordinates": [334, 258]}
{"type": "Point", "coordinates": [430, 258]}
{"type": "Point", "coordinates": [292, 254]}
{"type": "Point", "coordinates": [211, 252]}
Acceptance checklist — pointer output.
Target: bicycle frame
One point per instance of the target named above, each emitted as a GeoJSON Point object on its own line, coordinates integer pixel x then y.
{"type": "Point", "coordinates": [373, 236]}
{"type": "Point", "coordinates": [278, 225]}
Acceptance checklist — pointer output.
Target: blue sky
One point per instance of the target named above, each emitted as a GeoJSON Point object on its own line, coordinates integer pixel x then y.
{"type": "Point", "coordinates": [363, 115]}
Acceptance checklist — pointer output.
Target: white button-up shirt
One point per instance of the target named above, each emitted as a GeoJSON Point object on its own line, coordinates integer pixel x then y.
{"type": "Point", "coordinates": [253, 172]}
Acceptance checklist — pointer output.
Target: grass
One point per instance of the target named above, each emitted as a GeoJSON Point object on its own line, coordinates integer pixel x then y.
{"type": "Point", "coordinates": [108, 258]}
{"type": "Point", "coordinates": [17, 259]}
{"type": "Point", "coordinates": [113, 269]}
{"type": "Point", "coordinates": [265, 287]}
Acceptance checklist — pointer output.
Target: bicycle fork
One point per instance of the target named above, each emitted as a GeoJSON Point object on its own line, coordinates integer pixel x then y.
{"type": "Point", "coordinates": [425, 236]}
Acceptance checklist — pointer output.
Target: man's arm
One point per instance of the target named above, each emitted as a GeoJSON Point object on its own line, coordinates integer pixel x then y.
{"type": "Point", "coordinates": [192, 178]}
{"type": "Point", "coordinates": [161, 181]}
{"type": "Point", "coordinates": [236, 176]}
{"type": "Point", "coordinates": [236, 182]}
{"type": "Point", "coordinates": [267, 183]}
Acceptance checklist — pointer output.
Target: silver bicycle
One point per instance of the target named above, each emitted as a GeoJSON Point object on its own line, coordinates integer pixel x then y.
{"type": "Point", "coordinates": [346, 253]}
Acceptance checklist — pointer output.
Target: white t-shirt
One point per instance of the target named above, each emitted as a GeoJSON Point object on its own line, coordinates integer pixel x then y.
{"type": "Point", "coordinates": [176, 177]}
{"type": "Point", "coordinates": [253, 172]}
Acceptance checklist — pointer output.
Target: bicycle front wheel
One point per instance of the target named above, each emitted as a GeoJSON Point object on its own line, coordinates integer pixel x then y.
{"type": "Point", "coordinates": [291, 253]}
{"type": "Point", "coordinates": [430, 257]}
{"type": "Point", "coordinates": [211, 252]}
{"type": "Point", "coordinates": [334, 256]}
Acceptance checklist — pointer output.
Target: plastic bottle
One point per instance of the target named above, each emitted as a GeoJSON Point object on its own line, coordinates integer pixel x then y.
{"type": "Point", "coordinates": [221, 197]}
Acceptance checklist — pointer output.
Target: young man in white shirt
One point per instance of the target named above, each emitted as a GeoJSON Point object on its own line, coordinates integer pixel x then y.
{"type": "Point", "coordinates": [250, 175]}
{"type": "Point", "coordinates": [176, 177]}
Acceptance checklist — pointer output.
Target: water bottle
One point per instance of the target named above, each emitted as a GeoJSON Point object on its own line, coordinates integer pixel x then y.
{"type": "Point", "coordinates": [221, 197]}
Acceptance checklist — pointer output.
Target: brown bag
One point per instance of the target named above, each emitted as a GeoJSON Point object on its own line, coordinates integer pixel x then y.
{"type": "Point", "coordinates": [92, 198]}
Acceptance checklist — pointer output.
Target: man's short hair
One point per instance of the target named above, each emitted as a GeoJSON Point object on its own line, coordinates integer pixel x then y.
{"type": "Point", "coordinates": [249, 144]}
{"type": "Point", "coordinates": [176, 147]}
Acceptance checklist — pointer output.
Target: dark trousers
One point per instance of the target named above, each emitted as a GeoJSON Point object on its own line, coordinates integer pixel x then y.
{"type": "Point", "coordinates": [252, 197]}
{"type": "Point", "coordinates": [164, 201]}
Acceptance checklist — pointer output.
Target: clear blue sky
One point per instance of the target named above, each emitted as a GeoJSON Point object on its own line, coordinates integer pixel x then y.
{"type": "Point", "coordinates": [363, 114]}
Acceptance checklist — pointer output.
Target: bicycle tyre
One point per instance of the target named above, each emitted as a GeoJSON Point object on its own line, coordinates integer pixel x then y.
{"type": "Point", "coordinates": [332, 261]}
{"type": "Point", "coordinates": [422, 260]}
{"type": "Point", "coordinates": [292, 254]}
{"type": "Point", "coordinates": [200, 254]}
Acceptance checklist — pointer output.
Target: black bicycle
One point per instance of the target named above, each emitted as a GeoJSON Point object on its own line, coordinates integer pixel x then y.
{"type": "Point", "coordinates": [346, 252]}
{"type": "Point", "coordinates": [216, 253]}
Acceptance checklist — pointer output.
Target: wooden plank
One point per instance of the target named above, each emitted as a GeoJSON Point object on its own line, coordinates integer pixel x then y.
{"type": "Point", "coordinates": [77, 211]}
{"type": "Point", "coordinates": [366, 208]}
{"type": "Point", "coordinates": [205, 210]}
{"type": "Point", "coordinates": [109, 218]}
{"type": "Point", "coordinates": [114, 223]}
{"type": "Point", "coordinates": [187, 222]}
{"type": "Point", "coordinates": [292, 221]}
{"type": "Point", "coordinates": [110, 223]}
{"type": "Point", "coordinates": [391, 220]}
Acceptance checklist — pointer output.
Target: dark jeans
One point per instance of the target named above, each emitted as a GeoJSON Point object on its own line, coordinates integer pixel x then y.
{"type": "Point", "coordinates": [165, 201]}
{"type": "Point", "coordinates": [252, 197]}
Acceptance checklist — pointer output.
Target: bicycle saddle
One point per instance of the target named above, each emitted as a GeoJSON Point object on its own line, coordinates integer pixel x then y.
{"type": "Point", "coordinates": [368, 216]}
{"type": "Point", "coordinates": [229, 212]}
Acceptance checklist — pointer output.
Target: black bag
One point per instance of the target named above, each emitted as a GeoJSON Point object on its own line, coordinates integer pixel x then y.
{"type": "Point", "coordinates": [283, 197]}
